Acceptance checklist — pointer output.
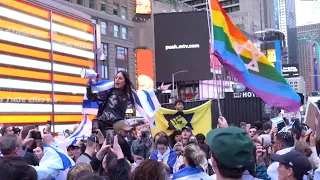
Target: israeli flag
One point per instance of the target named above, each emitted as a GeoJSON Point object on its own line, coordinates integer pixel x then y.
{"type": "Point", "coordinates": [102, 86]}
{"type": "Point", "coordinates": [190, 173]}
{"type": "Point", "coordinates": [89, 107]}
{"type": "Point", "coordinates": [146, 101]}
{"type": "Point", "coordinates": [84, 130]}
{"type": "Point", "coordinates": [53, 164]}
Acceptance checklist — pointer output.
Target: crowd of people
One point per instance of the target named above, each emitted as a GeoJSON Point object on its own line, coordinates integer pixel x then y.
{"type": "Point", "coordinates": [118, 151]}
{"type": "Point", "coordinates": [227, 152]}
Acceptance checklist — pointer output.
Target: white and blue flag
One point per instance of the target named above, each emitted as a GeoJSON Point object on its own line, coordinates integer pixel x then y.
{"type": "Point", "coordinates": [54, 164]}
{"type": "Point", "coordinates": [146, 101]}
{"type": "Point", "coordinates": [190, 173]}
{"type": "Point", "coordinates": [83, 131]}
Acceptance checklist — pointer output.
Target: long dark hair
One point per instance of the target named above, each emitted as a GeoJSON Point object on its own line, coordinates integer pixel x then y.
{"type": "Point", "coordinates": [128, 87]}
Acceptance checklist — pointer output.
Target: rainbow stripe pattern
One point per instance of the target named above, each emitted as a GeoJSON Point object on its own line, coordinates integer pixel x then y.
{"type": "Point", "coordinates": [248, 64]}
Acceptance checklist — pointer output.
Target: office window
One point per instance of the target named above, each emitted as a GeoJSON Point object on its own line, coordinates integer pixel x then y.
{"type": "Point", "coordinates": [94, 21]}
{"type": "Point", "coordinates": [92, 4]}
{"type": "Point", "coordinates": [124, 33]}
{"type": "Point", "coordinates": [80, 2]}
{"type": "Point", "coordinates": [122, 53]}
{"type": "Point", "coordinates": [104, 71]}
{"type": "Point", "coordinates": [124, 13]}
{"type": "Point", "coordinates": [103, 6]}
{"type": "Point", "coordinates": [116, 9]}
{"type": "Point", "coordinates": [104, 47]}
{"type": "Point", "coordinates": [116, 30]}
{"type": "Point", "coordinates": [120, 69]}
{"type": "Point", "coordinates": [103, 28]}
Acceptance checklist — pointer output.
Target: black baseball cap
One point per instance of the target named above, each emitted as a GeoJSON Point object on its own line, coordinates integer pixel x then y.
{"type": "Point", "coordinates": [294, 159]}
{"type": "Point", "coordinates": [187, 128]}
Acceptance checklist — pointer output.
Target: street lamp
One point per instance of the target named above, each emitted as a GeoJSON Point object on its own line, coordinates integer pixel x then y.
{"type": "Point", "coordinates": [172, 92]}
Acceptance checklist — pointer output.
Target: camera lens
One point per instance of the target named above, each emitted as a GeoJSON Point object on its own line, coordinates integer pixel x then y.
{"type": "Point", "coordinates": [144, 134]}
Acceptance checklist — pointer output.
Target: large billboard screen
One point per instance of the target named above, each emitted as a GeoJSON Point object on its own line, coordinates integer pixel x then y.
{"type": "Point", "coordinates": [39, 70]}
{"type": "Point", "coordinates": [290, 70]}
{"type": "Point", "coordinates": [143, 7]}
{"type": "Point", "coordinates": [144, 69]}
{"type": "Point", "coordinates": [182, 43]}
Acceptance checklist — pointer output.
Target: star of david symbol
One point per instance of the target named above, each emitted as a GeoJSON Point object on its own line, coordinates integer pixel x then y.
{"type": "Point", "coordinates": [179, 120]}
{"type": "Point", "coordinates": [256, 54]}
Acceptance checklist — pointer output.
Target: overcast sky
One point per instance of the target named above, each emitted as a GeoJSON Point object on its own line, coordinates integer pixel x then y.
{"type": "Point", "coordinates": [307, 12]}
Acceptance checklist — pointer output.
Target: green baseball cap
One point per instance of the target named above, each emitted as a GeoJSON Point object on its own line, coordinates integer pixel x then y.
{"type": "Point", "coordinates": [231, 146]}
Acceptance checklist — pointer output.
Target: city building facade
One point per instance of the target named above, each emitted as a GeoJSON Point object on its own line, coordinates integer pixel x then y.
{"type": "Point", "coordinates": [309, 63]}
{"type": "Point", "coordinates": [298, 84]}
{"type": "Point", "coordinates": [286, 21]}
{"type": "Point", "coordinates": [311, 30]}
{"type": "Point", "coordinates": [248, 15]}
{"type": "Point", "coordinates": [116, 31]}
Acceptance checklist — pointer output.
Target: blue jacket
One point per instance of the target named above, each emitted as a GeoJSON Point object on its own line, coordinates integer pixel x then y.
{"type": "Point", "coordinates": [171, 160]}
{"type": "Point", "coordinates": [261, 172]}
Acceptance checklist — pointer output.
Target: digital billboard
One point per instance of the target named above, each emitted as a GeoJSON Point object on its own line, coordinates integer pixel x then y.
{"type": "Point", "coordinates": [271, 55]}
{"type": "Point", "coordinates": [290, 70]}
{"type": "Point", "coordinates": [144, 69]}
{"type": "Point", "coordinates": [181, 43]}
{"type": "Point", "coordinates": [143, 7]}
{"type": "Point", "coordinates": [276, 14]}
{"type": "Point", "coordinates": [41, 56]}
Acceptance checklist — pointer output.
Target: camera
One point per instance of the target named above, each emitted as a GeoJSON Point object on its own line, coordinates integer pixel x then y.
{"type": "Point", "coordinates": [144, 134]}
{"type": "Point", "coordinates": [36, 135]}
{"type": "Point", "coordinates": [16, 130]}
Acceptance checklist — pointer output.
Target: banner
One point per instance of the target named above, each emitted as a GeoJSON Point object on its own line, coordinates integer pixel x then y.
{"type": "Point", "coordinates": [198, 118]}
{"type": "Point", "coordinates": [312, 117]}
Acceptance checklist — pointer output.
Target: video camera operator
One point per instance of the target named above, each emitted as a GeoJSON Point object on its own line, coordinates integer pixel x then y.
{"type": "Point", "coordinates": [142, 146]}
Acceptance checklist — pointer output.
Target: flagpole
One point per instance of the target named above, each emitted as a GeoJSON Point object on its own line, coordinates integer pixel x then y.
{"type": "Point", "coordinates": [211, 35]}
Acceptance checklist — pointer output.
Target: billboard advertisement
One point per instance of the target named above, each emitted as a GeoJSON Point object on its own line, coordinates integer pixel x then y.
{"type": "Point", "coordinates": [315, 66]}
{"type": "Point", "coordinates": [290, 70]}
{"type": "Point", "coordinates": [278, 62]}
{"type": "Point", "coordinates": [143, 7]}
{"type": "Point", "coordinates": [271, 55]}
{"type": "Point", "coordinates": [144, 69]}
{"type": "Point", "coordinates": [319, 55]}
{"type": "Point", "coordinates": [276, 14]}
{"type": "Point", "coordinates": [41, 56]}
{"type": "Point", "coordinates": [182, 46]}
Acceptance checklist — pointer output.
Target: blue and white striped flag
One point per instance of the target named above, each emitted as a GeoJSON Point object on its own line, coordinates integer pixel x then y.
{"type": "Point", "coordinates": [190, 173]}
{"type": "Point", "coordinates": [53, 164]}
{"type": "Point", "coordinates": [146, 101]}
{"type": "Point", "coordinates": [84, 130]}
{"type": "Point", "coordinates": [89, 107]}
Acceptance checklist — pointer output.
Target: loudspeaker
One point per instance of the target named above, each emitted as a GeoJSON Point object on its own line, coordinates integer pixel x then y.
{"type": "Point", "coordinates": [89, 73]}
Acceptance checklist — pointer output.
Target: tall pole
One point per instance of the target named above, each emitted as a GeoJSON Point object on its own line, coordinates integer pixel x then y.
{"type": "Point", "coordinates": [172, 93]}
{"type": "Point", "coordinates": [211, 35]}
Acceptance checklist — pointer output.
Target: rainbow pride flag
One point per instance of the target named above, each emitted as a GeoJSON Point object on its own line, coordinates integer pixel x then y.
{"type": "Point", "coordinates": [248, 64]}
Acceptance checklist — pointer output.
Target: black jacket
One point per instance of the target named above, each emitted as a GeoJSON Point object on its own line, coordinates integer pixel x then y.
{"type": "Point", "coordinates": [113, 106]}
{"type": "Point", "coordinates": [15, 168]}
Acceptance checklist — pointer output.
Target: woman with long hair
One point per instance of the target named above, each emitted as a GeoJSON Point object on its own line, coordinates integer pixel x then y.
{"type": "Point", "coordinates": [114, 104]}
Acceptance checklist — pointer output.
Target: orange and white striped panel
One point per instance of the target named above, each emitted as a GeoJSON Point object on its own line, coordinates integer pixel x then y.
{"type": "Point", "coordinates": [26, 64]}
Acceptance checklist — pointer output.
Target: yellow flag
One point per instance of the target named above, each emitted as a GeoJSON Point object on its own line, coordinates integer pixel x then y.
{"type": "Point", "coordinates": [198, 118]}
